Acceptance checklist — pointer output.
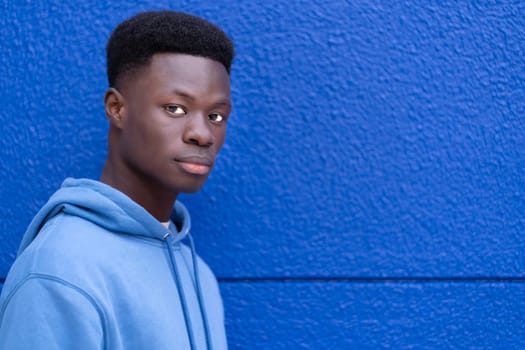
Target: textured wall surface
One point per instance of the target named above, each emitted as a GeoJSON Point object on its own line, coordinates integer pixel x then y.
{"type": "Point", "coordinates": [371, 192]}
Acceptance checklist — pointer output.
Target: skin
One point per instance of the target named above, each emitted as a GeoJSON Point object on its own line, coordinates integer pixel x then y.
{"type": "Point", "coordinates": [167, 124]}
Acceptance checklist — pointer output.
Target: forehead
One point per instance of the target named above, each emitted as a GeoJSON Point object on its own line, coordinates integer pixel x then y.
{"type": "Point", "coordinates": [197, 75]}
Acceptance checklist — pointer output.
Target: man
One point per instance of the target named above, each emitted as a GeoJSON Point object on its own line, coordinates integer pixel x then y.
{"type": "Point", "coordinates": [102, 265]}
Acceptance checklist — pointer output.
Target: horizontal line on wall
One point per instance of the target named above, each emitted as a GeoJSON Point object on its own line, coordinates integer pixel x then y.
{"type": "Point", "coordinates": [473, 279]}
{"type": "Point", "coordinates": [366, 280]}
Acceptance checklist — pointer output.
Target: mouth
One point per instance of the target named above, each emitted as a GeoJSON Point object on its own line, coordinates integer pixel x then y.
{"type": "Point", "coordinates": [196, 165]}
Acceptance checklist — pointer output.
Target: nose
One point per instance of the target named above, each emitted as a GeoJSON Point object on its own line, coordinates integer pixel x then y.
{"type": "Point", "coordinates": [197, 130]}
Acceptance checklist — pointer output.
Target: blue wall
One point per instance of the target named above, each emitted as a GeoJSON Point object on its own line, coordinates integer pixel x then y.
{"type": "Point", "coordinates": [370, 194]}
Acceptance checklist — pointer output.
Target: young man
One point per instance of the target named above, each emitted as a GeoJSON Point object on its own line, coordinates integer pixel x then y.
{"type": "Point", "coordinates": [102, 265]}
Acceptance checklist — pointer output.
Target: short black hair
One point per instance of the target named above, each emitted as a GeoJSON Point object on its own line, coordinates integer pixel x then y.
{"type": "Point", "coordinates": [137, 39]}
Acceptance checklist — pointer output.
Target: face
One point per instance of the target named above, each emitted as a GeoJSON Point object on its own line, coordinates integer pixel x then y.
{"type": "Point", "coordinates": [172, 121]}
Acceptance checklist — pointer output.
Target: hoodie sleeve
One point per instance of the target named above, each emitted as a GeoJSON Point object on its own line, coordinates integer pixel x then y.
{"type": "Point", "coordinates": [44, 312]}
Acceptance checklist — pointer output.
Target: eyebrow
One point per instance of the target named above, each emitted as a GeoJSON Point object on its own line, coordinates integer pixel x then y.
{"type": "Point", "coordinates": [190, 97]}
{"type": "Point", "coordinates": [183, 94]}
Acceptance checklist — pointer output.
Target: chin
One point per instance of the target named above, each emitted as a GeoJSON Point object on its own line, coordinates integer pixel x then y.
{"type": "Point", "coordinates": [191, 188]}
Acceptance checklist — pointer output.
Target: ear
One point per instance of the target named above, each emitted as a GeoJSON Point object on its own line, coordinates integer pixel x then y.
{"type": "Point", "coordinates": [115, 107]}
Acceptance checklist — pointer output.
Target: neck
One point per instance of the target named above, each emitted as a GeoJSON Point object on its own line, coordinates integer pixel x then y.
{"type": "Point", "coordinates": [148, 194]}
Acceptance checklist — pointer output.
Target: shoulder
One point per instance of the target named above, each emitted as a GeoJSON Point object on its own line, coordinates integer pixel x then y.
{"type": "Point", "coordinates": [69, 248]}
{"type": "Point", "coordinates": [40, 307]}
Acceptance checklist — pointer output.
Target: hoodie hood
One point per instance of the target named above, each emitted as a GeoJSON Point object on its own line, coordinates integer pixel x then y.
{"type": "Point", "coordinates": [106, 207]}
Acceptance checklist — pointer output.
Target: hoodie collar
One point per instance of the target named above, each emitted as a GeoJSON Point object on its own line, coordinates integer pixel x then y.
{"type": "Point", "coordinates": [107, 207]}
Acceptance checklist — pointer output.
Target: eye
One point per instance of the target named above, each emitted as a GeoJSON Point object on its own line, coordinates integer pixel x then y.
{"type": "Point", "coordinates": [175, 110]}
{"type": "Point", "coordinates": [216, 118]}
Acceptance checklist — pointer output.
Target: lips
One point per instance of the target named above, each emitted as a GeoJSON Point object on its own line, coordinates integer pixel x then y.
{"type": "Point", "coordinates": [197, 165]}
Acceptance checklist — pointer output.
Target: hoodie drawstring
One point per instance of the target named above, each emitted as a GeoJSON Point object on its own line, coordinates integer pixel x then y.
{"type": "Point", "coordinates": [199, 293]}
{"type": "Point", "coordinates": [180, 290]}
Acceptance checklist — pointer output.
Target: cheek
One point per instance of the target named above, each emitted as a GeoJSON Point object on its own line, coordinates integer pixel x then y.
{"type": "Point", "coordinates": [220, 137]}
{"type": "Point", "coordinates": [146, 127]}
{"type": "Point", "coordinates": [139, 140]}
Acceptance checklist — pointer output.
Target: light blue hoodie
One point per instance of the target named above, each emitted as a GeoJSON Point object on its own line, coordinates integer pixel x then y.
{"type": "Point", "coordinates": [96, 271]}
